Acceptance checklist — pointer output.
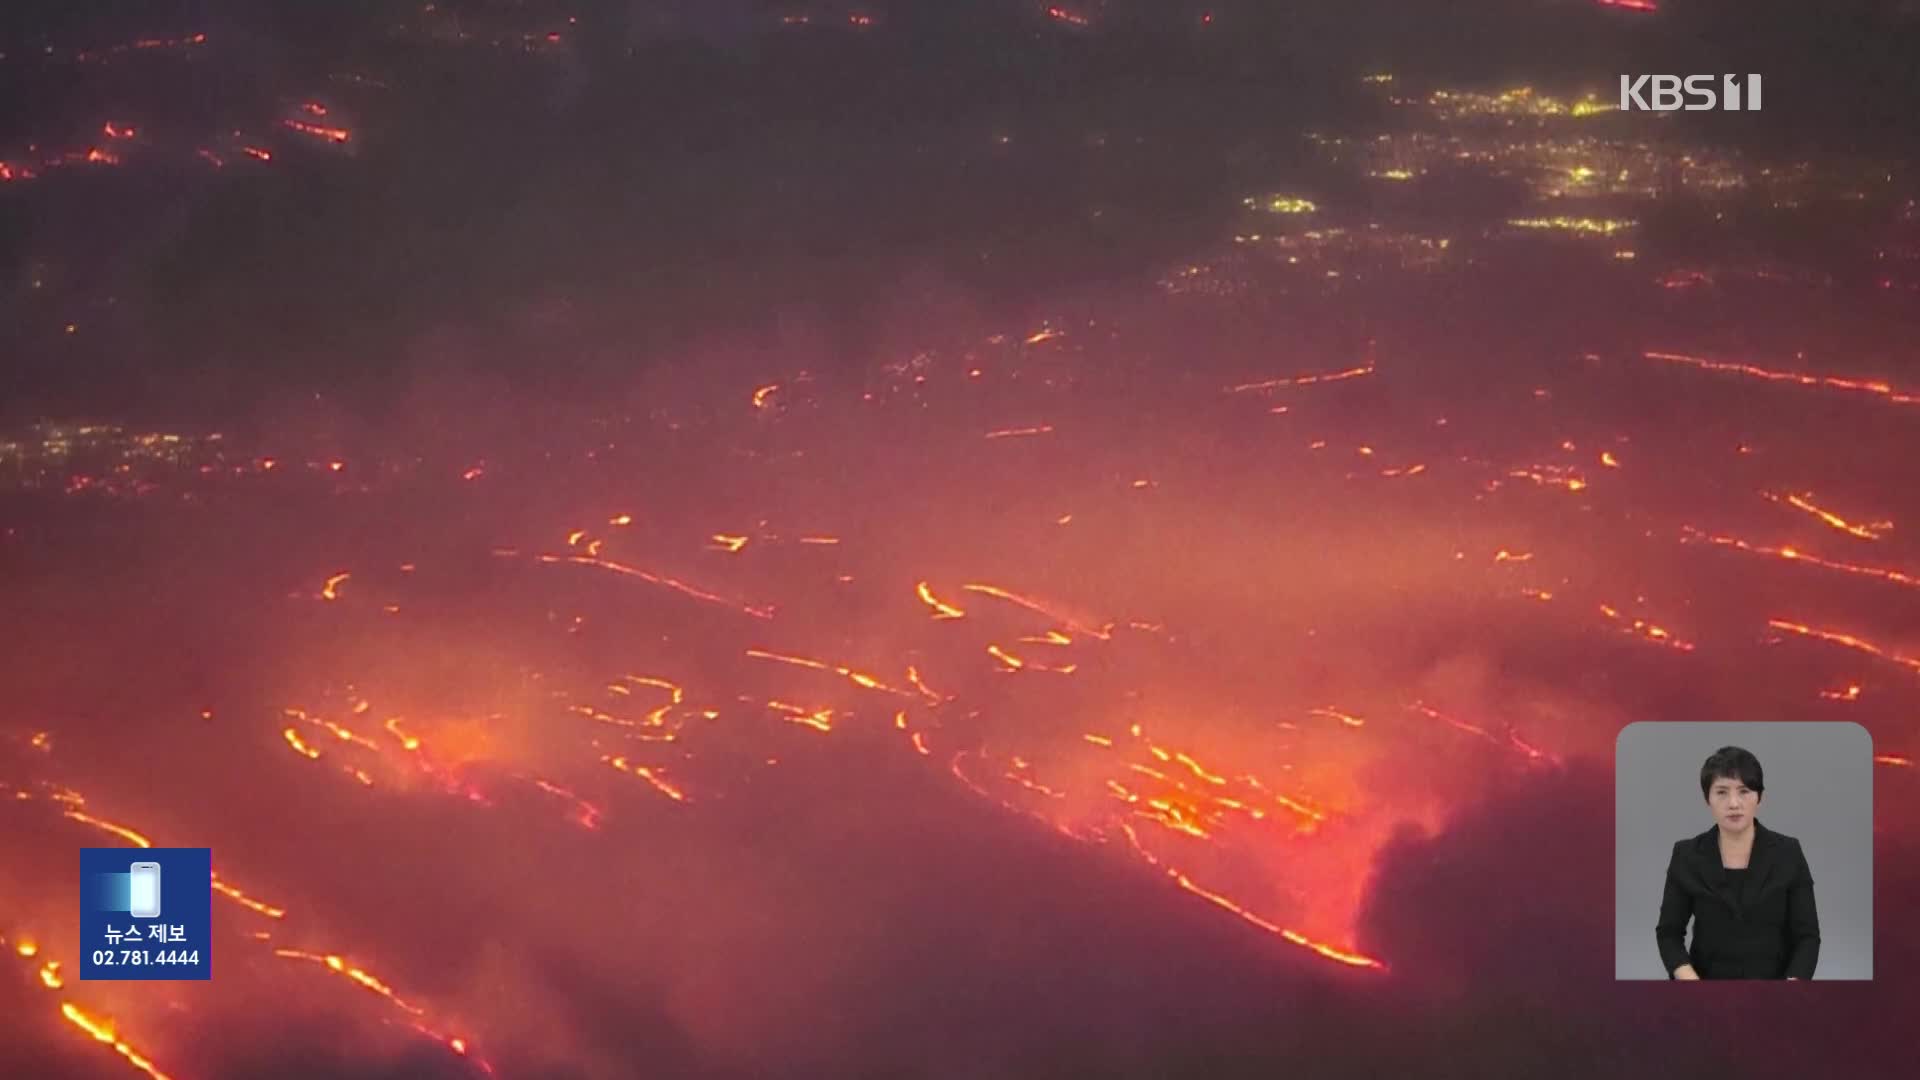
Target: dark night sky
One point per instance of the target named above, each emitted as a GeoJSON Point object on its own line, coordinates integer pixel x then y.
{"type": "Point", "coordinates": [681, 169]}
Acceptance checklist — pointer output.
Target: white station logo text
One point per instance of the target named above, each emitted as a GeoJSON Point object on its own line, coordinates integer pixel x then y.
{"type": "Point", "coordinates": [1692, 93]}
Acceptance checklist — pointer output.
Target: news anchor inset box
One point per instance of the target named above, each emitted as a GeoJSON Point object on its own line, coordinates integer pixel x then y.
{"type": "Point", "coordinates": [146, 913]}
{"type": "Point", "coordinates": [1816, 788]}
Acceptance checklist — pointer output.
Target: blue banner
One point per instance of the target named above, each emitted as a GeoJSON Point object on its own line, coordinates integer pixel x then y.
{"type": "Point", "coordinates": [146, 913]}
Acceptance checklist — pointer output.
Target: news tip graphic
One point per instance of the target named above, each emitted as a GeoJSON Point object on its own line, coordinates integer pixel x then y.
{"type": "Point", "coordinates": [146, 913]}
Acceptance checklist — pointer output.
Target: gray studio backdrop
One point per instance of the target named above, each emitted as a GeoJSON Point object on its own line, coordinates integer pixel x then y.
{"type": "Point", "coordinates": [1819, 789]}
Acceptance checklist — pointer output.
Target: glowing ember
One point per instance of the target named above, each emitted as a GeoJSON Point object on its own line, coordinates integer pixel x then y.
{"type": "Point", "coordinates": [320, 131]}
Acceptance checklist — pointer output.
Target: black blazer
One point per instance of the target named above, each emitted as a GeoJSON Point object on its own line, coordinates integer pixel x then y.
{"type": "Point", "coordinates": [1769, 930]}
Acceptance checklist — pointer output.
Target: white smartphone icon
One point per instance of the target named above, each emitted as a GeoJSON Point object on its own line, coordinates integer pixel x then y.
{"type": "Point", "coordinates": [145, 892]}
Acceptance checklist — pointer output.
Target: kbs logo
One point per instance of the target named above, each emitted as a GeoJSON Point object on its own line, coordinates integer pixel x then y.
{"type": "Point", "coordinates": [1663, 93]}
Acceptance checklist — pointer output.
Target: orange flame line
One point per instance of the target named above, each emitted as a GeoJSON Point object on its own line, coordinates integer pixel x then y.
{"type": "Point", "coordinates": [1805, 503]}
{"type": "Point", "coordinates": [941, 609]}
{"type": "Point", "coordinates": [1103, 633]}
{"type": "Point", "coordinates": [103, 1031]}
{"type": "Point", "coordinates": [1751, 371]}
{"type": "Point", "coordinates": [1879, 573]}
{"type": "Point", "coordinates": [1848, 640]}
{"type": "Point", "coordinates": [655, 579]}
{"type": "Point", "coordinates": [1303, 380]}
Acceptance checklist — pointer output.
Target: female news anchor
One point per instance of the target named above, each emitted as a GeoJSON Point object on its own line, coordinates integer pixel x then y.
{"type": "Point", "coordinates": [1746, 888]}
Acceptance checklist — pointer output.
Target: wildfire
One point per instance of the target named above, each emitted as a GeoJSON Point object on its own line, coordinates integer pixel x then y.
{"type": "Point", "coordinates": [648, 773]}
{"type": "Point", "coordinates": [1303, 380]}
{"type": "Point", "coordinates": [657, 579]}
{"type": "Point", "coordinates": [339, 966]}
{"type": "Point", "coordinates": [1640, 628]}
{"type": "Point", "coordinates": [246, 901]}
{"type": "Point", "coordinates": [941, 609]}
{"type": "Point", "coordinates": [319, 131]}
{"type": "Point", "coordinates": [1101, 632]}
{"type": "Point", "coordinates": [1689, 534]}
{"type": "Point", "coordinates": [1270, 736]}
{"type": "Point", "coordinates": [1830, 382]}
{"type": "Point", "coordinates": [1847, 640]}
{"type": "Point", "coordinates": [1805, 503]}
{"type": "Point", "coordinates": [129, 835]}
{"type": "Point", "coordinates": [858, 678]}
{"type": "Point", "coordinates": [102, 1030]}
{"type": "Point", "coordinates": [299, 746]}
{"type": "Point", "coordinates": [1341, 956]}
{"type": "Point", "coordinates": [1512, 740]}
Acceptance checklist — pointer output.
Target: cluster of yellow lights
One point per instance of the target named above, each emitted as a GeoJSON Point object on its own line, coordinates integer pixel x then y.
{"type": "Point", "coordinates": [1281, 204]}
{"type": "Point", "coordinates": [1598, 226]}
{"type": "Point", "coordinates": [1519, 99]}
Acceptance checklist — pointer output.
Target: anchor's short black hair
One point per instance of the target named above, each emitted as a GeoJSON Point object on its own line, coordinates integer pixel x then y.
{"type": "Point", "coordinates": [1732, 763]}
